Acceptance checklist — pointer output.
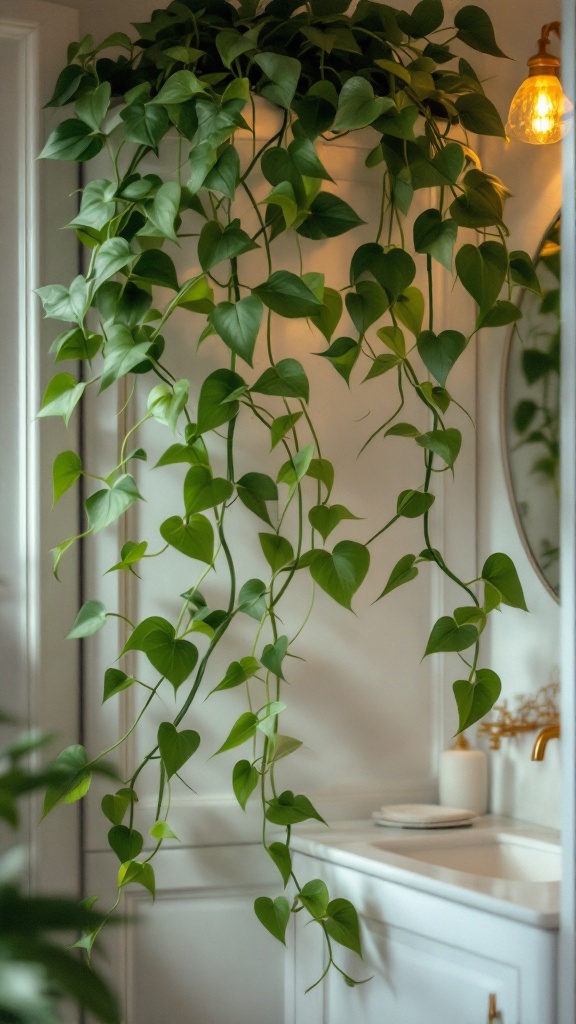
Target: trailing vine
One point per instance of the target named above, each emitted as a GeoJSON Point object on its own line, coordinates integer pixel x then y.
{"type": "Point", "coordinates": [192, 76]}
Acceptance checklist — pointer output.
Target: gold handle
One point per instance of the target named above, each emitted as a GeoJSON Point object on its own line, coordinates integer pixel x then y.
{"type": "Point", "coordinates": [493, 1011]}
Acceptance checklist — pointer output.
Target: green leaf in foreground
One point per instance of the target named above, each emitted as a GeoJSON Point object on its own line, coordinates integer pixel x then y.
{"type": "Point", "coordinates": [274, 915]}
{"type": "Point", "coordinates": [126, 843]}
{"type": "Point", "coordinates": [474, 700]}
{"type": "Point", "coordinates": [62, 396]}
{"type": "Point", "coordinates": [476, 30]}
{"type": "Point", "coordinates": [403, 572]}
{"type": "Point", "coordinates": [66, 471]}
{"type": "Point", "coordinates": [72, 140]}
{"type": "Point", "coordinates": [325, 518]}
{"type": "Point", "coordinates": [238, 672]}
{"type": "Point", "coordinates": [238, 324]}
{"type": "Point", "coordinates": [71, 778]}
{"type": "Point", "coordinates": [244, 781]}
{"type": "Point", "coordinates": [280, 854]}
{"type": "Point", "coordinates": [341, 923]}
{"type": "Point", "coordinates": [273, 655]}
{"type": "Point", "coordinates": [315, 897]}
{"type": "Point", "coordinates": [412, 504]}
{"type": "Point", "coordinates": [176, 748]}
{"type": "Point", "coordinates": [447, 635]}
{"type": "Point", "coordinates": [115, 681]}
{"type": "Point", "coordinates": [286, 294]}
{"type": "Point", "coordinates": [172, 657]}
{"type": "Point", "coordinates": [254, 490]}
{"type": "Point", "coordinates": [243, 729]}
{"type": "Point", "coordinates": [439, 352]}
{"type": "Point", "coordinates": [90, 618]}
{"type": "Point", "coordinates": [107, 505]}
{"type": "Point", "coordinates": [194, 538]}
{"type": "Point", "coordinates": [286, 379]}
{"type": "Point", "coordinates": [288, 809]}
{"type": "Point", "coordinates": [341, 572]}
{"type": "Point", "coordinates": [499, 570]}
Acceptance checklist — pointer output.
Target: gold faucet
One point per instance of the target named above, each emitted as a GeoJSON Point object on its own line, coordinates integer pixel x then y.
{"type": "Point", "coordinates": [549, 732]}
{"type": "Point", "coordinates": [535, 711]}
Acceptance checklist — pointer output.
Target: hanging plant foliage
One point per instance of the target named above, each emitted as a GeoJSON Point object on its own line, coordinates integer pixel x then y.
{"type": "Point", "coordinates": [191, 86]}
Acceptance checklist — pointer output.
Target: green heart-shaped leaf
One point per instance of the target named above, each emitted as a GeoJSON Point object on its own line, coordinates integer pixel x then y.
{"type": "Point", "coordinates": [238, 324]}
{"type": "Point", "coordinates": [107, 505]}
{"type": "Point", "coordinates": [447, 635]}
{"type": "Point", "coordinates": [238, 672]}
{"type": "Point", "coordinates": [482, 270]}
{"type": "Point", "coordinates": [403, 572]}
{"type": "Point", "coordinates": [444, 443]}
{"type": "Point", "coordinates": [274, 915]}
{"type": "Point", "coordinates": [244, 781]}
{"type": "Point", "coordinates": [357, 105]}
{"type": "Point", "coordinates": [243, 729]}
{"type": "Point", "coordinates": [439, 352]}
{"type": "Point", "coordinates": [409, 308]}
{"type": "Point", "coordinates": [280, 854]}
{"type": "Point", "coordinates": [215, 406]}
{"type": "Point", "coordinates": [343, 353]}
{"type": "Point", "coordinates": [255, 489]}
{"type": "Point", "coordinates": [287, 379]}
{"type": "Point", "coordinates": [115, 805]}
{"type": "Point", "coordinates": [315, 897]}
{"type": "Point", "coordinates": [114, 682]}
{"type": "Point", "coordinates": [288, 809]}
{"type": "Point", "coordinates": [435, 236]}
{"type": "Point", "coordinates": [476, 700]}
{"type": "Point", "coordinates": [194, 538]}
{"type": "Point", "coordinates": [277, 550]}
{"type": "Point", "coordinates": [202, 491]}
{"type": "Point", "coordinates": [499, 570]}
{"type": "Point", "coordinates": [342, 924]}
{"type": "Point", "coordinates": [412, 504]}
{"type": "Point", "coordinates": [366, 304]}
{"type": "Point", "coordinates": [175, 659]}
{"type": "Point", "coordinates": [342, 572]}
{"type": "Point", "coordinates": [325, 518]}
{"type": "Point", "coordinates": [286, 294]}
{"type": "Point", "coordinates": [90, 619]}
{"type": "Point", "coordinates": [273, 655]}
{"type": "Point", "coordinates": [126, 842]}
{"type": "Point", "coordinates": [176, 748]}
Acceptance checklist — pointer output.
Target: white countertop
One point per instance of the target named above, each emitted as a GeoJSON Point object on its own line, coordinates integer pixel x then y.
{"type": "Point", "coordinates": [369, 849]}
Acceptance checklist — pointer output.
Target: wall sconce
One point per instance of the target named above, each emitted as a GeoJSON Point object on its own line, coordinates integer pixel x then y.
{"type": "Point", "coordinates": [538, 110]}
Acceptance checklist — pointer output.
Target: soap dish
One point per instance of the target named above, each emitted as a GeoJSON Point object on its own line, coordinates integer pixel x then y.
{"type": "Point", "coordinates": [423, 816]}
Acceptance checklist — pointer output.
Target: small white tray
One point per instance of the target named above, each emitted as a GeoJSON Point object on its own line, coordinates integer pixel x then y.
{"type": "Point", "coordinates": [422, 816]}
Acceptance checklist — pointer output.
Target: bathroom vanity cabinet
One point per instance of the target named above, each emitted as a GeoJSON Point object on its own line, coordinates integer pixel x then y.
{"type": "Point", "coordinates": [432, 959]}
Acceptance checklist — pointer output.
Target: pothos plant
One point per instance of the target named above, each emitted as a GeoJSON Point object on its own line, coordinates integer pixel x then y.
{"type": "Point", "coordinates": [193, 76]}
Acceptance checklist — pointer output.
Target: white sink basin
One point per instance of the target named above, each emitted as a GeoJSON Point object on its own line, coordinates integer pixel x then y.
{"type": "Point", "coordinates": [488, 855]}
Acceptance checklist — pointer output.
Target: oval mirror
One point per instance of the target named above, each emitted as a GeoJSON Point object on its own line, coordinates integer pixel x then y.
{"type": "Point", "coordinates": [532, 414]}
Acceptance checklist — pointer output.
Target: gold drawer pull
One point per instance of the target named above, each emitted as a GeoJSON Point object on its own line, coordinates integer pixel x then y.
{"type": "Point", "coordinates": [493, 1012]}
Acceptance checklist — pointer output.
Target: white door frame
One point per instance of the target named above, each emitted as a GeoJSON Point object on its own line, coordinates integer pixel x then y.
{"type": "Point", "coordinates": [44, 690]}
{"type": "Point", "coordinates": [567, 944]}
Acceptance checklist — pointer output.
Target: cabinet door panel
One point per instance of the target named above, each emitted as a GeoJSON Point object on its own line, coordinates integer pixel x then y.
{"type": "Point", "coordinates": [418, 980]}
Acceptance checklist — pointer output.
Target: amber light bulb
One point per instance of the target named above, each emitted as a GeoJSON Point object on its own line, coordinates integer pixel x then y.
{"type": "Point", "coordinates": [538, 112]}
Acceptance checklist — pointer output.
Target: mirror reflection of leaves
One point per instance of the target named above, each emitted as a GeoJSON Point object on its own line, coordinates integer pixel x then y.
{"type": "Point", "coordinates": [535, 414]}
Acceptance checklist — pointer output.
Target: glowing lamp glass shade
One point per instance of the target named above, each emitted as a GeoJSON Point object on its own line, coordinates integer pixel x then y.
{"type": "Point", "coordinates": [538, 111]}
